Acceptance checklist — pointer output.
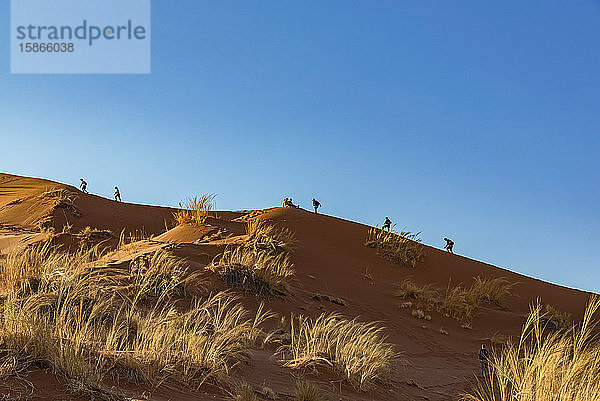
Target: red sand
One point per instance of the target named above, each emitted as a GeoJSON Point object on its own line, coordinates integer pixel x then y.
{"type": "Point", "coordinates": [330, 259]}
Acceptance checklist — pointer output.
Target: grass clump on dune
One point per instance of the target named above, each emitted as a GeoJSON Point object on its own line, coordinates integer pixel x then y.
{"type": "Point", "coordinates": [87, 323]}
{"type": "Point", "coordinates": [157, 275]}
{"type": "Point", "coordinates": [194, 211]}
{"type": "Point", "coordinates": [491, 290]}
{"type": "Point", "coordinates": [261, 265]}
{"type": "Point", "coordinates": [256, 272]}
{"type": "Point", "coordinates": [61, 199]}
{"type": "Point", "coordinates": [546, 366]}
{"type": "Point", "coordinates": [460, 303]}
{"type": "Point", "coordinates": [307, 391]}
{"type": "Point", "coordinates": [410, 290]}
{"type": "Point", "coordinates": [555, 319]}
{"type": "Point", "coordinates": [268, 237]}
{"type": "Point", "coordinates": [356, 351]}
{"type": "Point", "coordinates": [404, 249]}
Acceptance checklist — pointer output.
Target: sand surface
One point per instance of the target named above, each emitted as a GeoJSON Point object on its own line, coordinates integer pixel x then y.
{"type": "Point", "coordinates": [330, 259]}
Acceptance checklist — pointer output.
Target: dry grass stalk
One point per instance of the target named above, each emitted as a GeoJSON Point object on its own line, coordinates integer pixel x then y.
{"type": "Point", "coordinates": [404, 248]}
{"type": "Point", "coordinates": [546, 366]}
{"type": "Point", "coordinates": [256, 272]}
{"type": "Point", "coordinates": [194, 211]}
{"type": "Point", "coordinates": [63, 313]}
{"type": "Point", "coordinates": [268, 237]}
{"type": "Point", "coordinates": [356, 351]}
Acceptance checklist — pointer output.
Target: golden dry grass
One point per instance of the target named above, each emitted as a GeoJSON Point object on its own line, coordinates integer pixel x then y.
{"type": "Point", "coordinates": [194, 211]}
{"type": "Point", "coordinates": [410, 290]}
{"type": "Point", "coordinates": [556, 319]}
{"type": "Point", "coordinates": [404, 248]}
{"type": "Point", "coordinates": [307, 391]}
{"type": "Point", "coordinates": [60, 198]}
{"type": "Point", "coordinates": [257, 272]}
{"type": "Point", "coordinates": [460, 303]}
{"type": "Point", "coordinates": [88, 323]}
{"type": "Point", "coordinates": [546, 366]}
{"type": "Point", "coordinates": [268, 237]}
{"type": "Point", "coordinates": [356, 351]}
{"type": "Point", "coordinates": [94, 235]}
{"type": "Point", "coordinates": [244, 392]}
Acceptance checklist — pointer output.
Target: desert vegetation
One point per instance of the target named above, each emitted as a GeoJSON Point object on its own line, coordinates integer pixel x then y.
{"type": "Point", "coordinates": [555, 319]}
{"type": "Point", "coordinates": [268, 237]}
{"type": "Point", "coordinates": [356, 351]}
{"type": "Point", "coordinates": [194, 211]}
{"type": "Point", "coordinates": [458, 302]}
{"type": "Point", "coordinates": [546, 365]}
{"type": "Point", "coordinates": [307, 391]}
{"type": "Point", "coordinates": [94, 324]}
{"type": "Point", "coordinates": [256, 272]}
{"type": "Point", "coordinates": [403, 248]}
{"type": "Point", "coordinates": [60, 198]}
{"type": "Point", "coordinates": [261, 265]}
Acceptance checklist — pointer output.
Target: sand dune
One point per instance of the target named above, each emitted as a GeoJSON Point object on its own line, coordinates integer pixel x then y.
{"type": "Point", "coordinates": [334, 272]}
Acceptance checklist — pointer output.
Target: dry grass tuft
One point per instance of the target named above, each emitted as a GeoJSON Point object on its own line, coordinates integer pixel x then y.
{"type": "Point", "coordinates": [256, 272]}
{"type": "Point", "coordinates": [555, 319]}
{"type": "Point", "coordinates": [85, 323]}
{"type": "Point", "coordinates": [268, 237]}
{"type": "Point", "coordinates": [244, 392]}
{"type": "Point", "coordinates": [194, 211]}
{"type": "Point", "coordinates": [94, 235]}
{"type": "Point", "coordinates": [403, 249]}
{"type": "Point", "coordinates": [356, 351]}
{"type": "Point", "coordinates": [491, 290]}
{"type": "Point", "coordinates": [61, 199]}
{"type": "Point", "coordinates": [462, 303]}
{"type": "Point", "coordinates": [307, 391]}
{"type": "Point", "coordinates": [410, 290]}
{"type": "Point", "coordinates": [459, 302]}
{"type": "Point", "coordinates": [268, 393]}
{"type": "Point", "coordinates": [546, 366]}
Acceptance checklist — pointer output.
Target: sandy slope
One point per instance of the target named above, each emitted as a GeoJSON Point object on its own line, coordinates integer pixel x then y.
{"type": "Point", "coordinates": [331, 259]}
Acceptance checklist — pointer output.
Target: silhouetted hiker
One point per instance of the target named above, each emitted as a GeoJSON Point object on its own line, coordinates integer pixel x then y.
{"type": "Point", "coordinates": [449, 245]}
{"type": "Point", "coordinates": [484, 357]}
{"type": "Point", "coordinates": [292, 204]}
{"type": "Point", "coordinates": [117, 195]}
{"type": "Point", "coordinates": [316, 205]}
{"type": "Point", "coordinates": [83, 186]}
{"type": "Point", "coordinates": [387, 224]}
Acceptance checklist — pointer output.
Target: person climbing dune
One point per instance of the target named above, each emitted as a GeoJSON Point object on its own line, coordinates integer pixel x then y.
{"type": "Point", "coordinates": [316, 205]}
{"type": "Point", "coordinates": [117, 195]}
{"type": "Point", "coordinates": [83, 186]}
{"type": "Point", "coordinates": [387, 224]}
{"type": "Point", "coordinates": [449, 245]}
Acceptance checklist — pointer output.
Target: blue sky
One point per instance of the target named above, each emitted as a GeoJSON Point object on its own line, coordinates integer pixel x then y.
{"type": "Point", "coordinates": [474, 120]}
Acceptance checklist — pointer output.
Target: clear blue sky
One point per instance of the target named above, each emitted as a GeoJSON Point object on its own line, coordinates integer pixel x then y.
{"type": "Point", "coordinates": [474, 120]}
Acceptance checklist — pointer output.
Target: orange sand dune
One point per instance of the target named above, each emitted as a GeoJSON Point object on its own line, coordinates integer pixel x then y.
{"type": "Point", "coordinates": [330, 259]}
